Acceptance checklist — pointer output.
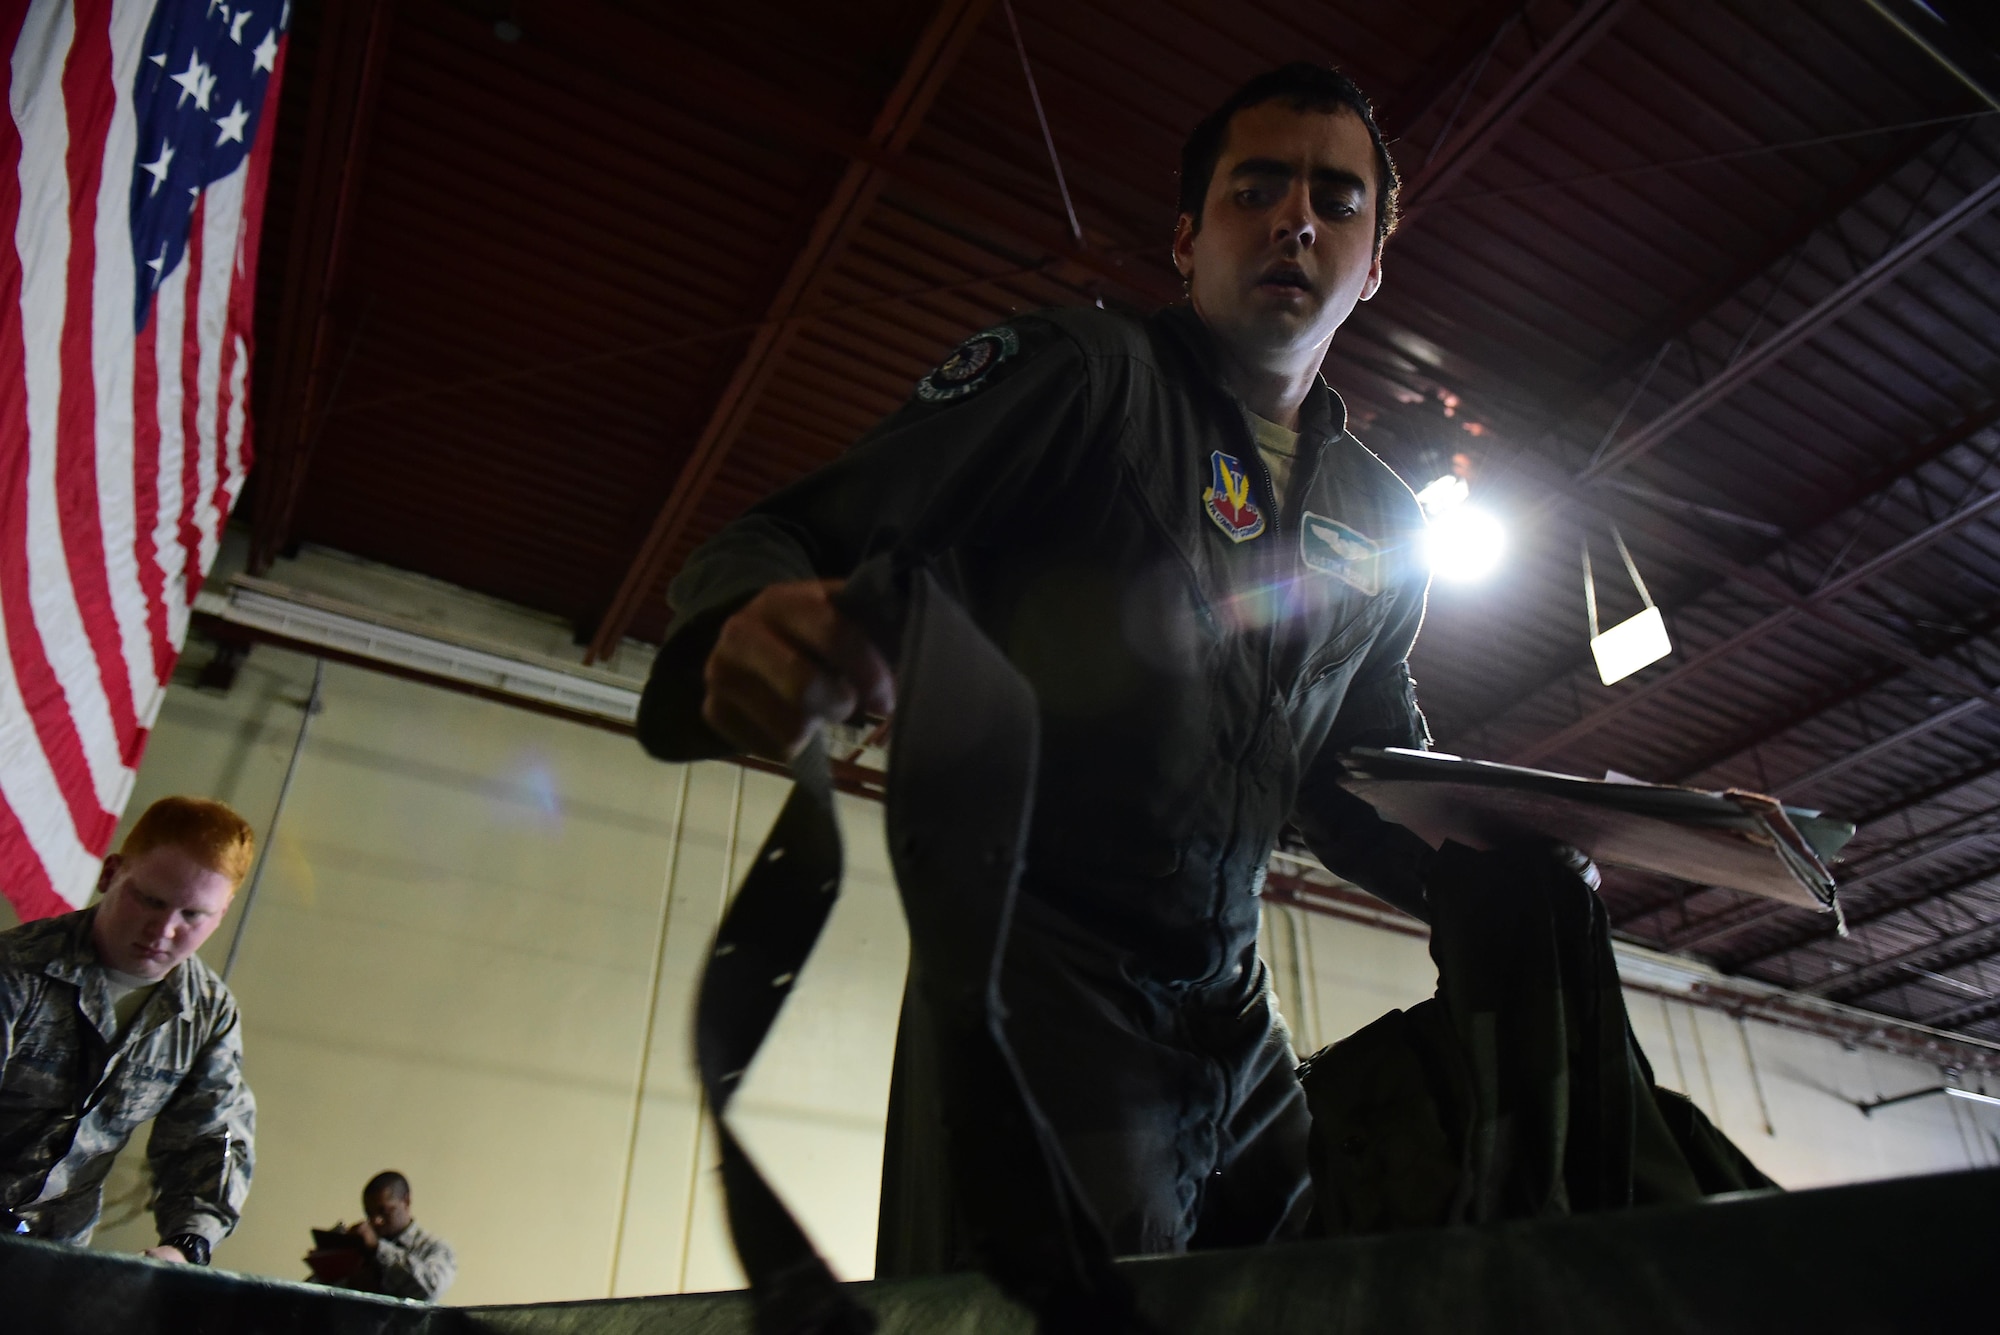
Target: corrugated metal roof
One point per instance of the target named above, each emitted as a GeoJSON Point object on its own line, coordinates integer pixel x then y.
{"type": "Point", "coordinates": [563, 246]}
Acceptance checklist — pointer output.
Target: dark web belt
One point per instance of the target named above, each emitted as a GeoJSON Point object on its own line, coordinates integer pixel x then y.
{"type": "Point", "coordinates": [961, 785]}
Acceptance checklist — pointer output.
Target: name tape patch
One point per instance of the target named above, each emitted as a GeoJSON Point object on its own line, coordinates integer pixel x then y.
{"type": "Point", "coordinates": [1332, 548]}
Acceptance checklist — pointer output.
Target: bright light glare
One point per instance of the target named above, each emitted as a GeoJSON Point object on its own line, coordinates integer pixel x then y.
{"type": "Point", "coordinates": [1447, 493]}
{"type": "Point", "coordinates": [1631, 645]}
{"type": "Point", "coordinates": [1465, 543]}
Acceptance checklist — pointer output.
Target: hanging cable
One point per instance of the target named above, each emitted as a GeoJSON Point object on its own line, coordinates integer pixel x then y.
{"type": "Point", "coordinates": [313, 705]}
{"type": "Point", "coordinates": [1041, 117]}
{"type": "Point", "coordinates": [1589, 588]}
{"type": "Point", "coordinates": [1631, 566]}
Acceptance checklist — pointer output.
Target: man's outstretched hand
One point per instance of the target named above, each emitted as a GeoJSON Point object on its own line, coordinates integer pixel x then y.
{"type": "Point", "coordinates": [788, 664]}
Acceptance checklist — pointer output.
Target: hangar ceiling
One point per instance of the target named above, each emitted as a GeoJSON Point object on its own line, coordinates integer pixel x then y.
{"type": "Point", "coordinates": [551, 291]}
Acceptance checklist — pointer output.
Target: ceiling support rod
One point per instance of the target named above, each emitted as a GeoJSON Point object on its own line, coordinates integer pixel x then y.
{"type": "Point", "coordinates": [1727, 923]}
{"type": "Point", "coordinates": [1970, 1013]}
{"type": "Point", "coordinates": [1830, 308]}
{"type": "Point", "coordinates": [1499, 113]}
{"type": "Point", "coordinates": [1936, 27]}
{"type": "Point", "coordinates": [1870, 978]}
{"type": "Point", "coordinates": [1944, 718]}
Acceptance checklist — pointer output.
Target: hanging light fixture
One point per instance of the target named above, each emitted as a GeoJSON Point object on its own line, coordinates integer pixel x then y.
{"type": "Point", "coordinates": [1633, 643]}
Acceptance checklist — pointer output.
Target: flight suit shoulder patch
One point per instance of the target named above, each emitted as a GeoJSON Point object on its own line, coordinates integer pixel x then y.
{"type": "Point", "coordinates": [1227, 498]}
{"type": "Point", "coordinates": [970, 365]}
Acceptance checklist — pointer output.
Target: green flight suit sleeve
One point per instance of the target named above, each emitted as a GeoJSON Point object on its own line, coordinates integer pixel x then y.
{"type": "Point", "coordinates": [202, 1146]}
{"type": "Point", "coordinates": [934, 475]}
{"type": "Point", "coordinates": [1342, 830]}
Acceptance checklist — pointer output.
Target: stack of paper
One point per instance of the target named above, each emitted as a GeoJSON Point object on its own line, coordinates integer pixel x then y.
{"type": "Point", "coordinates": [1741, 840]}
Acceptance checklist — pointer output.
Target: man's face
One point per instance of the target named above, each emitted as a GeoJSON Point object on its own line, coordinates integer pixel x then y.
{"type": "Point", "coordinates": [388, 1211]}
{"type": "Point", "coordinates": [158, 908]}
{"type": "Point", "coordinates": [1287, 238]}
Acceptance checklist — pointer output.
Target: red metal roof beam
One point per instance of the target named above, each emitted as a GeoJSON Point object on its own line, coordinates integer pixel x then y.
{"type": "Point", "coordinates": [944, 39]}
{"type": "Point", "coordinates": [352, 48]}
{"type": "Point", "coordinates": [1591, 21]}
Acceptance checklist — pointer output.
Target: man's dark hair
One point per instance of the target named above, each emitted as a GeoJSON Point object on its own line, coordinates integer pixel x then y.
{"type": "Point", "coordinates": [1302, 86]}
{"type": "Point", "coordinates": [392, 1182]}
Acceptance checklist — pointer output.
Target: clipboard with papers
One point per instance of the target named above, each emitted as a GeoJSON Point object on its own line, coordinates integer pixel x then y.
{"type": "Point", "coordinates": [1732, 838]}
{"type": "Point", "coordinates": [336, 1255]}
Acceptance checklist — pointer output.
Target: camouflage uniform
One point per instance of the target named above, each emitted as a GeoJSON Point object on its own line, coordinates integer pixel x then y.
{"type": "Point", "coordinates": [416, 1263]}
{"type": "Point", "coordinates": [72, 1091]}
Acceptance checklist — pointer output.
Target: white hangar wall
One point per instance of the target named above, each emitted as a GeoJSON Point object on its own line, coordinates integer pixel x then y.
{"type": "Point", "coordinates": [473, 956]}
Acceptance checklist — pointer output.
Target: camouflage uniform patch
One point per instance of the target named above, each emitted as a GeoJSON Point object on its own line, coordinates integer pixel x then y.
{"type": "Point", "coordinates": [72, 1090]}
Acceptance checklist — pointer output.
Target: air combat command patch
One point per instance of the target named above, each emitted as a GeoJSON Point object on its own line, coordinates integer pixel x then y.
{"type": "Point", "coordinates": [1332, 548]}
{"type": "Point", "coordinates": [1228, 498]}
{"type": "Point", "coordinates": [966, 370]}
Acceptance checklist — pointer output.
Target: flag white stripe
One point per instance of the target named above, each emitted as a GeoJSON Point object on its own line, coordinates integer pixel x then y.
{"type": "Point", "coordinates": [239, 412]}
{"type": "Point", "coordinates": [221, 213]}
{"type": "Point", "coordinates": [29, 788]}
{"type": "Point", "coordinates": [169, 328]}
{"type": "Point", "coordinates": [111, 364]}
{"type": "Point", "coordinates": [41, 238]}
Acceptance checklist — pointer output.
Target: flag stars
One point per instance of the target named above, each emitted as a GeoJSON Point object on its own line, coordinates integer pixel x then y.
{"type": "Point", "coordinates": [157, 168]}
{"type": "Point", "coordinates": [231, 126]}
{"type": "Point", "coordinates": [220, 85]}
{"type": "Point", "coordinates": [196, 81]}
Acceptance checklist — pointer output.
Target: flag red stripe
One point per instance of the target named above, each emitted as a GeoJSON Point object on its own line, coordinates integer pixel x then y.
{"type": "Point", "coordinates": [41, 691]}
{"type": "Point", "coordinates": [243, 300]}
{"type": "Point", "coordinates": [243, 292]}
{"type": "Point", "coordinates": [29, 889]}
{"type": "Point", "coordinates": [89, 97]}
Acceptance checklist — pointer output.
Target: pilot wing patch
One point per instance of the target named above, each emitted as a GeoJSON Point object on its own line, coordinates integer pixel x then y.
{"type": "Point", "coordinates": [1332, 548]}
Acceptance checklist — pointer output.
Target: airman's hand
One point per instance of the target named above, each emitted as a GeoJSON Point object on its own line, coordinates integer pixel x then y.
{"type": "Point", "coordinates": [787, 665]}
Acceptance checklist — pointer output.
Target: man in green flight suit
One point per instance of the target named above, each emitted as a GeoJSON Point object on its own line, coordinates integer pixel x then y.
{"type": "Point", "coordinates": [1213, 589]}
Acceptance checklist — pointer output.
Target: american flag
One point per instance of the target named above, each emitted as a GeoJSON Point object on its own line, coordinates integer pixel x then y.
{"type": "Point", "coordinates": [132, 171]}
